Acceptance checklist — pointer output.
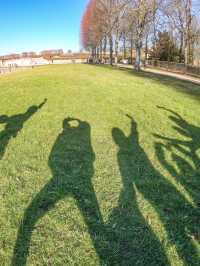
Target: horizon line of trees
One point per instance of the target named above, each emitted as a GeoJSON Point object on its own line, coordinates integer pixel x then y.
{"type": "Point", "coordinates": [163, 29]}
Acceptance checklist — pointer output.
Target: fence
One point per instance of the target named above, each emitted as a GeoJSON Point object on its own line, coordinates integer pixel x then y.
{"type": "Point", "coordinates": [4, 70]}
{"type": "Point", "coordinates": [174, 67]}
{"type": "Point", "coordinates": [11, 68]}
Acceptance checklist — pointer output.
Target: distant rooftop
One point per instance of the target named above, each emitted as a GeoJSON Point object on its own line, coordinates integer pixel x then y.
{"type": "Point", "coordinates": [59, 53]}
{"type": "Point", "coordinates": [56, 54]}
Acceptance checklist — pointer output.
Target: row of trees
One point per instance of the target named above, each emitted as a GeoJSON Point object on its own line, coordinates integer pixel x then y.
{"type": "Point", "coordinates": [124, 26]}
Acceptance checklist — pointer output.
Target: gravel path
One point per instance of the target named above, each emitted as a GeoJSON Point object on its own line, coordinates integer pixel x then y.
{"type": "Point", "coordinates": [166, 73]}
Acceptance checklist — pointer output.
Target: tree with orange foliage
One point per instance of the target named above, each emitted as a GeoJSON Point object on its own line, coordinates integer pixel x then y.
{"type": "Point", "coordinates": [91, 28]}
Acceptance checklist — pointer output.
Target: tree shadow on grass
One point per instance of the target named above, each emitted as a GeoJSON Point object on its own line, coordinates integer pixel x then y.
{"type": "Point", "coordinates": [14, 124]}
{"type": "Point", "coordinates": [185, 168]}
{"type": "Point", "coordinates": [174, 211]}
{"type": "Point", "coordinates": [71, 161]}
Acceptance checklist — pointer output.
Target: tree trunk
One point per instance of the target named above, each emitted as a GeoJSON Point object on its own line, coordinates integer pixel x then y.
{"type": "Point", "coordinates": [146, 50]}
{"type": "Point", "coordinates": [111, 49]}
{"type": "Point", "coordinates": [116, 50]}
{"type": "Point", "coordinates": [181, 49]}
{"type": "Point", "coordinates": [101, 51]}
{"type": "Point", "coordinates": [97, 58]}
{"type": "Point", "coordinates": [138, 57]}
{"type": "Point", "coordinates": [105, 48]}
{"type": "Point", "coordinates": [188, 31]}
{"type": "Point", "coordinates": [124, 45]}
{"type": "Point", "coordinates": [131, 51]}
{"type": "Point", "coordinates": [192, 53]}
{"type": "Point", "coordinates": [186, 52]}
{"type": "Point", "coordinates": [93, 54]}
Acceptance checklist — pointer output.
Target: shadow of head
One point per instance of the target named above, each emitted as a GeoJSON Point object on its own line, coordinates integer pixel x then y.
{"type": "Point", "coordinates": [120, 138]}
{"type": "Point", "coordinates": [71, 123]}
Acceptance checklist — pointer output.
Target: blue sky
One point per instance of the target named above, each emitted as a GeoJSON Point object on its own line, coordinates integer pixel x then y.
{"type": "Point", "coordinates": [35, 25]}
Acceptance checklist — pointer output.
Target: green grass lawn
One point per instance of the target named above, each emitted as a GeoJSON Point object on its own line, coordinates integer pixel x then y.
{"type": "Point", "coordinates": [106, 171]}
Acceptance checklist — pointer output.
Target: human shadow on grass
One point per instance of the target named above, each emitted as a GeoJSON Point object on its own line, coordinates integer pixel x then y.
{"type": "Point", "coordinates": [139, 174]}
{"type": "Point", "coordinates": [14, 124]}
{"type": "Point", "coordinates": [71, 162]}
{"type": "Point", "coordinates": [136, 242]}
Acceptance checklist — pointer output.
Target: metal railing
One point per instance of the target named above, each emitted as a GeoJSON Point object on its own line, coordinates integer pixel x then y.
{"type": "Point", "coordinates": [174, 67]}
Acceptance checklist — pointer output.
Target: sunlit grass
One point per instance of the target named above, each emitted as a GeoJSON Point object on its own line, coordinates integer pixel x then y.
{"type": "Point", "coordinates": [146, 187]}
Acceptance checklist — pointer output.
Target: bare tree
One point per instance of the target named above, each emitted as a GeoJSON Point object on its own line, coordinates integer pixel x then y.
{"type": "Point", "coordinates": [115, 24]}
{"type": "Point", "coordinates": [141, 14]}
{"type": "Point", "coordinates": [182, 19]}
